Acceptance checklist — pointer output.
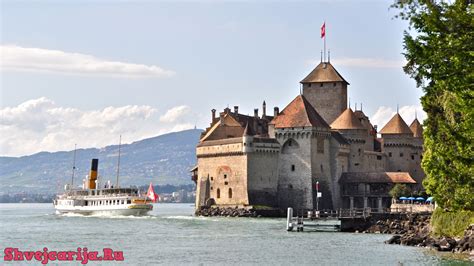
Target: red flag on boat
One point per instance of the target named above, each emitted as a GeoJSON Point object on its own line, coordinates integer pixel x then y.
{"type": "Point", "coordinates": [323, 30]}
{"type": "Point", "coordinates": [151, 194]}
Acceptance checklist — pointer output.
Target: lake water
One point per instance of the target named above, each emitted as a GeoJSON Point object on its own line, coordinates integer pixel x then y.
{"type": "Point", "coordinates": [171, 235]}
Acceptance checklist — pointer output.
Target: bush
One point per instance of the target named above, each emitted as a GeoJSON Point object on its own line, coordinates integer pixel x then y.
{"type": "Point", "coordinates": [451, 224]}
{"type": "Point", "coordinates": [399, 190]}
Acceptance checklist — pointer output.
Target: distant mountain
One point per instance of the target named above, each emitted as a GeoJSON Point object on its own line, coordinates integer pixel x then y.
{"type": "Point", "coordinates": [164, 159]}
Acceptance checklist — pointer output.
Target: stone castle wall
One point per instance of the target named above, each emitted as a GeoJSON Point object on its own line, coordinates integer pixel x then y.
{"type": "Point", "coordinates": [328, 98]}
{"type": "Point", "coordinates": [225, 166]}
{"type": "Point", "coordinates": [295, 181]}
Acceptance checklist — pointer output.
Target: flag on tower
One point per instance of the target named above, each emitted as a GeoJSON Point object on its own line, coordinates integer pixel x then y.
{"type": "Point", "coordinates": [323, 30]}
{"type": "Point", "coordinates": [151, 194]}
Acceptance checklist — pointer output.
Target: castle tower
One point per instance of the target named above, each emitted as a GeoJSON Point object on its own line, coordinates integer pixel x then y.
{"type": "Point", "coordinates": [304, 137]}
{"type": "Point", "coordinates": [356, 134]}
{"type": "Point", "coordinates": [326, 90]}
{"type": "Point", "coordinates": [398, 145]}
{"type": "Point", "coordinates": [417, 154]}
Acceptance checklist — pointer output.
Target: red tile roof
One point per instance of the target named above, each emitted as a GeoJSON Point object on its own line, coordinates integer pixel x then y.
{"type": "Point", "coordinates": [396, 125]}
{"type": "Point", "coordinates": [416, 128]}
{"type": "Point", "coordinates": [299, 113]}
{"type": "Point", "coordinates": [324, 72]}
{"type": "Point", "coordinates": [377, 177]}
{"type": "Point", "coordinates": [347, 120]}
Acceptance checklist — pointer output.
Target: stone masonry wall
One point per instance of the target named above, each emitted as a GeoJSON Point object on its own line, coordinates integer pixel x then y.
{"type": "Point", "coordinates": [329, 100]}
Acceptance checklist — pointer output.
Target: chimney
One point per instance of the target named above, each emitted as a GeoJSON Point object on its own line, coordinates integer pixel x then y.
{"type": "Point", "coordinates": [264, 109]}
{"type": "Point", "coordinates": [276, 111]}
{"type": "Point", "coordinates": [93, 174]}
{"type": "Point", "coordinates": [236, 109]}
{"type": "Point", "coordinates": [221, 118]}
{"type": "Point", "coordinates": [255, 112]}
{"type": "Point", "coordinates": [213, 111]}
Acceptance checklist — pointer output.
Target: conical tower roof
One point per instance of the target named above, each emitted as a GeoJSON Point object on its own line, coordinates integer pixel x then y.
{"type": "Point", "coordinates": [299, 113]}
{"type": "Point", "coordinates": [416, 128]}
{"type": "Point", "coordinates": [347, 120]}
{"type": "Point", "coordinates": [247, 131]}
{"type": "Point", "coordinates": [324, 72]}
{"type": "Point", "coordinates": [396, 125]}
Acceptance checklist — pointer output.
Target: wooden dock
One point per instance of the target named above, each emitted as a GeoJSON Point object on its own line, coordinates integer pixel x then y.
{"type": "Point", "coordinates": [325, 220]}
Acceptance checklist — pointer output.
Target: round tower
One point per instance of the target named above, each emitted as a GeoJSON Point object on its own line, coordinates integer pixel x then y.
{"type": "Point", "coordinates": [247, 140]}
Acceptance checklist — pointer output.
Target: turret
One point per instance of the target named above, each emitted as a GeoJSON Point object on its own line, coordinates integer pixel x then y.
{"type": "Point", "coordinates": [247, 140]}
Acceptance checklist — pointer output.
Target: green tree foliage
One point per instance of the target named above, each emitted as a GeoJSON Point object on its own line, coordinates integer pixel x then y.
{"type": "Point", "coordinates": [399, 190]}
{"type": "Point", "coordinates": [439, 48]}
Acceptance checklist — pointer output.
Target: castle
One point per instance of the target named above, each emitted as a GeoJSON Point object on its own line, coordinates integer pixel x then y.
{"type": "Point", "coordinates": [315, 153]}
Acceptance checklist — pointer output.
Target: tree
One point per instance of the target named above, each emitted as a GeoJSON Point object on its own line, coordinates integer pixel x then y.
{"type": "Point", "coordinates": [439, 55]}
{"type": "Point", "coordinates": [399, 190]}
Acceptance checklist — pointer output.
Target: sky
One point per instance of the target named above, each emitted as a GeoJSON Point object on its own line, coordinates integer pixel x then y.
{"type": "Point", "coordinates": [86, 72]}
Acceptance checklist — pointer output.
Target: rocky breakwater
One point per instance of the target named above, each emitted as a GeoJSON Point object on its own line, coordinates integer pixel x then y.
{"type": "Point", "coordinates": [226, 212]}
{"type": "Point", "coordinates": [415, 230]}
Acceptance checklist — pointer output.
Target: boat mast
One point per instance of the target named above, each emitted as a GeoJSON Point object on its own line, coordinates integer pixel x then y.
{"type": "Point", "coordinates": [118, 162]}
{"type": "Point", "coordinates": [73, 166]}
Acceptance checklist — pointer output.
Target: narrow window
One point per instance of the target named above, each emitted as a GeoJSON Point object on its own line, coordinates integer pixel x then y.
{"type": "Point", "coordinates": [225, 176]}
{"type": "Point", "coordinates": [309, 85]}
{"type": "Point", "coordinates": [320, 144]}
{"type": "Point", "coordinates": [321, 84]}
{"type": "Point", "coordinates": [389, 154]}
{"type": "Point", "coordinates": [401, 154]}
{"type": "Point", "coordinates": [289, 142]}
{"type": "Point", "coordinates": [322, 170]}
{"type": "Point", "coordinates": [413, 157]}
{"type": "Point", "coordinates": [218, 193]}
{"type": "Point", "coordinates": [226, 183]}
{"type": "Point", "coordinates": [292, 167]}
{"type": "Point", "coordinates": [230, 193]}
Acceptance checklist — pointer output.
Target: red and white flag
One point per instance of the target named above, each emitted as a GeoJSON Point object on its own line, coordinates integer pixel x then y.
{"type": "Point", "coordinates": [323, 30]}
{"type": "Point", "coordinates": [151, 194]}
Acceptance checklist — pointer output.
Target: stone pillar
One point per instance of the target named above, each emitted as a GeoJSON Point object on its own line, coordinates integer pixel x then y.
{"type": "Point", "coordinates": [379, 201]}
{"type": "Point", "coordinates": [351, 203]}
{"type": "Point", "coordinates": [366, 199]}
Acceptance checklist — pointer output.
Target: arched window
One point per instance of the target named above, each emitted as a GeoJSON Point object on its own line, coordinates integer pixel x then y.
{"type": "Point", "coordinates": [218, 193]}
{"type": "Point", "coordinates": [230, 193]}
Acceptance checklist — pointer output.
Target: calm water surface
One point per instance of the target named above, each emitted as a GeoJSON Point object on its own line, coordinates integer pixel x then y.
{"type": "Point", "coordinates": [171, 235]}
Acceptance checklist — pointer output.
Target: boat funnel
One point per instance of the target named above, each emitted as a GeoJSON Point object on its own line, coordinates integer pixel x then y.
{"type": "Point", "coordinates": [93, 174]}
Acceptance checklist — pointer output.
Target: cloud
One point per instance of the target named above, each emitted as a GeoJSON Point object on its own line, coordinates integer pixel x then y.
{"type": "Point", "coordinates": [41, 125]}
{"type": "Point", "coordinates": [365, 62]}
{"type": "Point", "coordinates": [407, 112]}
{"type": "Point", "coordinates": [54, 61]}
{"type": "Point", "coordinates": [175, 114]}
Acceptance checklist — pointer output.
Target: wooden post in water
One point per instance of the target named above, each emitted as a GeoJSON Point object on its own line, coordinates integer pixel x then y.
{"type": "Point", "coordinates": [289, 219]}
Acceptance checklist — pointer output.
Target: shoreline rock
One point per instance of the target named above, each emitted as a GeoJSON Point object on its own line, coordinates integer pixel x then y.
{"type": "Point", "coordinates": [415, 230]}
{"type": "Point", "coordinates": [226, 212]}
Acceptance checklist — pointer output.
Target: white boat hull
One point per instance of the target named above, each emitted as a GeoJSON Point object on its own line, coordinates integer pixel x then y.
{"type": "Point", "coordinates": [128, 210]}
